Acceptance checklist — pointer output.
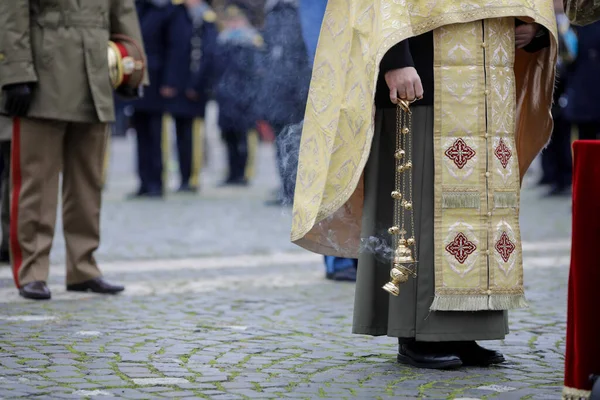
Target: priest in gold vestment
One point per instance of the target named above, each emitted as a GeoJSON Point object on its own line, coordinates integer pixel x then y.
{"type": "Point", "coordinates": [483, 74]}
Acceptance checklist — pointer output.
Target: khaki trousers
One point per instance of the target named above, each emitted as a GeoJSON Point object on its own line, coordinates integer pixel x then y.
{"type": "Point", "coordinates": [41, 149]}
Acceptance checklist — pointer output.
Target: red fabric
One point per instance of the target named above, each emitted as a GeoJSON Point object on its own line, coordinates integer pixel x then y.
{"type": "Point", "coordinates": [17, 256]}
{"type": "Point", "coordinates": [124, 54]}
{"type": "Point", "coordinates": [583, 321]}
{"type": "Point", "coordinates": [265, 131]}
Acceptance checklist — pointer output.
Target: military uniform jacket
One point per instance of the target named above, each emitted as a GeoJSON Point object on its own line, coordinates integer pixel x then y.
{"type": "Point", "coordinates": [61, 46]}
{"type": "Point", "coordinates": [158, 19]}
{"type": "Point", "coordinates": [191, 61]}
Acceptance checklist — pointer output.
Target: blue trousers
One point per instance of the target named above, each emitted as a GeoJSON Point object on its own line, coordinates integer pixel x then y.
{"type": "Point", "coordinates": [337, 264]}
{"type": "Point", "coordinates": [148, 128]}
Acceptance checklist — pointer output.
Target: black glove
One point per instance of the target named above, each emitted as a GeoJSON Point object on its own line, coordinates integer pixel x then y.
{"type": "Point", "coordinates": [17, 98]}
{"type": "Point", "coordinates": [129, 93]}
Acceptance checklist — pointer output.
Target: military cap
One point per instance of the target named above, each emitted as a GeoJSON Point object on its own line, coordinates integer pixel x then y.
{"type": "Point", "coordinates": [126, 63]}
{"type": "Point", "coordinates": [236, 9]}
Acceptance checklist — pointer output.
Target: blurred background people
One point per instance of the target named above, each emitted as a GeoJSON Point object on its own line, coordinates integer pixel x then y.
{"type": "Point", "coordinates": [159, 21]}
{"type": "Point", "coordinates": [190, 62]}
{"type": "Point", "coordinates": [583, 85]}
{"type": "Point", "coordinates": [238, 51]}
{"type": "Point", "coordinates": [285, 87]}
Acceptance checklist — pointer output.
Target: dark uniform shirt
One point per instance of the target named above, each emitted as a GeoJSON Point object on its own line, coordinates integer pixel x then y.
{"type": "Point", "coordinates": [191, 60]}
{"type": "Point", "coordinates": [157, 19]}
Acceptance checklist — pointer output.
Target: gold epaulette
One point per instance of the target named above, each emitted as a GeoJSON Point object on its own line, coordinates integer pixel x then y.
{"type": "Point", "coordinates": [258, 41]}
{"type": "Point", "coordinates": [209, 16]}
{"type": "Point", "coordinates": [177, 2]}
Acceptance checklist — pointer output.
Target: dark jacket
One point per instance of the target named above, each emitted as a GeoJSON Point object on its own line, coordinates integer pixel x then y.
{"type": "Point", "coordinates": [157, 20]}
{"type": "Point", "coordinates": [285, 87]}
{"type": "Point", "coordinates": [583, 87]}
{"type": "Point", "coordinates": [192, 61]}
{"type": "Point", "coordinates": [237, 88]}
{"type": "Point", "coordinates": [61, 47]}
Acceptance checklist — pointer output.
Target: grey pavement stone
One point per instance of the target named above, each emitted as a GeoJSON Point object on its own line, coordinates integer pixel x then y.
{"type": "Point", "coordinates": [244, 329]}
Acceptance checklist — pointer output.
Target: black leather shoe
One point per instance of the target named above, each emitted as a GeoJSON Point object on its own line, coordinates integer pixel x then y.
{"type": "Point", "coordinates": [37, 290]}
{"type": "Point", "coordinates": [145, 194]}
{"type": "Point", "coordinates": [559, 191]}
{"type": "Point", "coordinates": [432, 355]}
{"type": "Point", "coordinates": [474, 355]}
{"type": "Point", "coordinates": [136, 195]}
{"type": "Point", "coordinates": [234, 182]}
{"type": "Point", "coordinates": [98, 285]}
{"type": "Point", "coordinates": [187, 189]}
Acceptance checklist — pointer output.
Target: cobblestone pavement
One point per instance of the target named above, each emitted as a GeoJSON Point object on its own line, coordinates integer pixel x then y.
{"type": "Point", "coordinates": [219, 305]}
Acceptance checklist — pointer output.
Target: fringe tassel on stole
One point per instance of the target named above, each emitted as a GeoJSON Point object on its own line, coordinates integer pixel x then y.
{"type": "Point", "coordinates": [478, 302]}
{"type": "Point", "coordinates": [575, 394]}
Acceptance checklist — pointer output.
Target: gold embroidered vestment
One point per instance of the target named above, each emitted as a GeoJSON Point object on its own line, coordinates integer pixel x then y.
{"type": "Point", "coordinates": [492, 117]}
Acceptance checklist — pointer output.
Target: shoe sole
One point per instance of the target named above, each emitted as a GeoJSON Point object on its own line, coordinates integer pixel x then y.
{"type": "Point", "coordinates": [402, 359]}
{"type": "Point", "coordinates": [81, 290]}
{"type": "Point", "coordinates": [491, 361]}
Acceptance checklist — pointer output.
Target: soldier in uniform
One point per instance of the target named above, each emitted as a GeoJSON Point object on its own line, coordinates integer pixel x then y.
{"type": "Point", "coordinates": [191, 59]}
{"type": "Point", "coordinates": [158, 19]}
{"type": "Point", "coordinates": [54, 75]}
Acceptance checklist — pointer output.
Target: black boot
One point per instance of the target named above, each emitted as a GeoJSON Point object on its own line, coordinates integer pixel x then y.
{"type": "Point", "coordinates": [473, 354]}
{"type": "Point", "coordinates": [433, 355]}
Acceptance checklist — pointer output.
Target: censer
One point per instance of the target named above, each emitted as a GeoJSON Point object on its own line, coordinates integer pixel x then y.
{"type": "Point", "coordinates": [405, 245]}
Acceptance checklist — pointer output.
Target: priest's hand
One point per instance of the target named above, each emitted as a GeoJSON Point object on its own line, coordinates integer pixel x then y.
{"type": "Point", "coordinates": [405, 84]}
{"type": "Point", "coordinates": [525, 33]}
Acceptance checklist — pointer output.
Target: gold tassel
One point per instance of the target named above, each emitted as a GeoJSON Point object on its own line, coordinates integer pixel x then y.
{"type": "Point", "coordinates": [461, 200]}
{"type": "Point", "coordinates": [505, 199]}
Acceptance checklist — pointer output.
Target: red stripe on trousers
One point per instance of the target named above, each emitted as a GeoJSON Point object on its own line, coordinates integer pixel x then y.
{"type": "Point", "coordinates": [17, 256]}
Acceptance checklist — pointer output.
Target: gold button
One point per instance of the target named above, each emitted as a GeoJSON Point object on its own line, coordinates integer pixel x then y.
{"type": "Point", "coordinates": [489, 214]}
{"type": "Point", "coordinates": [487, 174]}
{"type": "Point", "coordinates": [489, 292]}
{"type": "Point", "coordinates": [484, 45]}
{"type": "Point", "coordinates": [486, 92]}
{"type": "Point", "coordinates": [486, 135]}
{"type": "Point", "coordinates": [487, 252]}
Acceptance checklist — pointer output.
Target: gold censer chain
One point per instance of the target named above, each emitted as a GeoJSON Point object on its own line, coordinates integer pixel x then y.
{"type": "Point", "coordinates": [405, 246]}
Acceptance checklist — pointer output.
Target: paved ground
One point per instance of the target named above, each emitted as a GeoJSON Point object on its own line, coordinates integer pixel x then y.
{"type": "Point", "coordinates": [219, 305]}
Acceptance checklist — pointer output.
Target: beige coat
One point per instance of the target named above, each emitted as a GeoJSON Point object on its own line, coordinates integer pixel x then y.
{"type": "Point", "coordinates": [61, 46]}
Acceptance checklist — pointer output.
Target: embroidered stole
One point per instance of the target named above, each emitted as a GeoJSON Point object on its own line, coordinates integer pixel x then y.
{"type": "Point", "coordinates": [478, 257]}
